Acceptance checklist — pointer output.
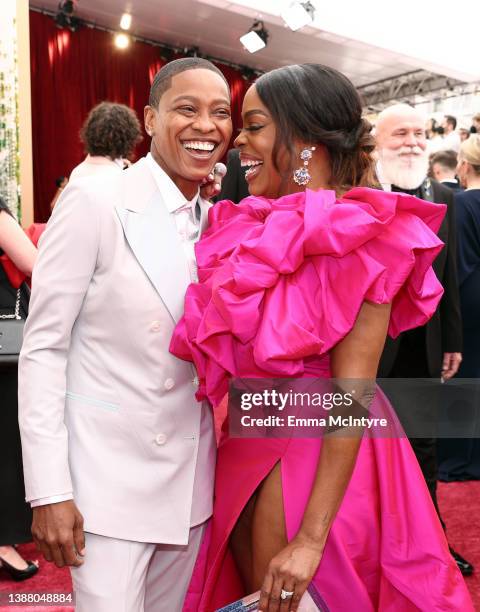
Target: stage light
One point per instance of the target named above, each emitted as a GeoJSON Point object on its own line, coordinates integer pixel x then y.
{"type": "Point", "coordinates": [122, 41]}
{"type": "Point", "coordinates": [65, 18]}
{"type": "Point", "coordinates": [126, 21]}
{"type": "Point", "coordinates": [67, 6]}
{"type": "Point", "coordinates": [298, 15]}
{"type": "Point", "coordinates": [256, 38]}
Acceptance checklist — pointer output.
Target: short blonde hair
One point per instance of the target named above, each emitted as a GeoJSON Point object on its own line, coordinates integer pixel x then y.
{"type": "Point", "coordinates": [470, 152]}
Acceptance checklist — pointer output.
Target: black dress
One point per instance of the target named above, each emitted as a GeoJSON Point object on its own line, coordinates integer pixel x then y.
{"type": "Point", "coordinates": [459, 459]}
{"type": "Point", "coordinates": [15, 513]}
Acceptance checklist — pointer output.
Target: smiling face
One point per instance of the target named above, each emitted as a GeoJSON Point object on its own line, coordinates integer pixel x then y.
{"type": "Point", "coordinates": [402, 146]}
{"type": "Point", "coordinates": [256, 142]}
{"type": "Point", "coordinates": [191, 127]}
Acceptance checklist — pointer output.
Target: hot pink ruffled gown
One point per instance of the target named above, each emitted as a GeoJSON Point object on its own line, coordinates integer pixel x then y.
{"type": "Point", "coordinates": [281, 283]}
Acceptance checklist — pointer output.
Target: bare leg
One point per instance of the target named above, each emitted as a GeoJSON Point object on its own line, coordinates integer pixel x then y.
{"type": "Point", "coordinates": [260, 532]}
{"type": "Point", "coordinates": [241, 543]}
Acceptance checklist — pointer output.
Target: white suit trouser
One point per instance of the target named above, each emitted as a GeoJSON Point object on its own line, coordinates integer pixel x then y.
{"type": "Point", "coordinates": [124, 576]}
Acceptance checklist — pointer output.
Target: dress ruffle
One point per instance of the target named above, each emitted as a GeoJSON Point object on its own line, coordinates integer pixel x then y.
{"type": "Point", "coordinates": [283, 280]}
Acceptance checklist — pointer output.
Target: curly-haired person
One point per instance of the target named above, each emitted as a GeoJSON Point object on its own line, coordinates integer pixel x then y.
{"type": "Point", "coordinates": [110, 134]}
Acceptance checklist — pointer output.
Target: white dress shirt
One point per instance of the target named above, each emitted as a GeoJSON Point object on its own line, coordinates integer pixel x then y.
{"type": "Point", "coordinates": [188, 228]}
{"type": "Point", "coordinates": [435, 144]}
{"type": "Point", "coordinates": [451, 142]}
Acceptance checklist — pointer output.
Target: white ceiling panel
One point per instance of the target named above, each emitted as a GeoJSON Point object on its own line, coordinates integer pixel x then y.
{"type": "Point", "coordinates": [216, 25]}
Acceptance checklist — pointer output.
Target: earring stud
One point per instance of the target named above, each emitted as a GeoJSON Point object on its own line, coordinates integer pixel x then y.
{"type": "Point", "coordinates": [301, 175]}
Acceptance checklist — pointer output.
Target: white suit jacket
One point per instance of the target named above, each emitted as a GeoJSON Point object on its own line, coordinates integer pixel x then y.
{"type": "Point", "coordinates": [105, 410]}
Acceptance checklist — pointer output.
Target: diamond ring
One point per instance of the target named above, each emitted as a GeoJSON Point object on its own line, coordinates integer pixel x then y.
{"type": "Point", "coordinates": [286, 594]}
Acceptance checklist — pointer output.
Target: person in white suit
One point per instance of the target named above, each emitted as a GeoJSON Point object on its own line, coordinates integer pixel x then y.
{"type": "Point", "coordinates": [118, 455]}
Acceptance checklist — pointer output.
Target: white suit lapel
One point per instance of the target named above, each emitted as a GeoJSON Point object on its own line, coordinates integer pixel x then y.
{"type": "Point", "coordinates": [152, 235]}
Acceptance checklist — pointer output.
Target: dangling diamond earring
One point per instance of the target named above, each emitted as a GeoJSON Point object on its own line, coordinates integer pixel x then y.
{"type": "Point", "coordinates": [301, 175]}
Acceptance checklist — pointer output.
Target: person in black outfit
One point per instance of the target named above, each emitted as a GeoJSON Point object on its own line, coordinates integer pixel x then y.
{"type": "Point", "coordinates": [15, 513]}
{"type": "Point", "coordinates": [459, 459]}
{"type": "Point", "coordinates": [234, 184]}
{"type": "Point", "coordinates": [433, 350]}
{"type": "Point", "coordinates": [467, 206]}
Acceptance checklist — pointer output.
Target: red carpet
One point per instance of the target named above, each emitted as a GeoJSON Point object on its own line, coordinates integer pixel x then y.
{"type": "Point", "coordinates": [459, 504]}
{"type": "Point", "coordinates": [459, 501]}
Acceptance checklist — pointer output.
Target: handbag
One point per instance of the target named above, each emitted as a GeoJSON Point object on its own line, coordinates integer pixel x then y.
{"type": "Point", "coordinates": [11, 335]}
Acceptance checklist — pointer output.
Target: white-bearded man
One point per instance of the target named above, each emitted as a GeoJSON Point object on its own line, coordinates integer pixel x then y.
{"type": "Point", "coordinates": [433, 350]}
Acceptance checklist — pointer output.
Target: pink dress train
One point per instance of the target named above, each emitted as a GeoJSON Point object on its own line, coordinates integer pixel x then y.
{"type": "Point", "coordinates": [280, 283]}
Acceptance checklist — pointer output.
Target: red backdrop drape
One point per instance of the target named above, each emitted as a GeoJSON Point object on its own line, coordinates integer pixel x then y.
{"type": "Point", "coordinates": [71, 72]}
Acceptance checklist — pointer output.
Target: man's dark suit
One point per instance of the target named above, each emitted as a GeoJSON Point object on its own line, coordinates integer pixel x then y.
{"type": "Point", "coordinates": [419, 353]}
{"type": "Point", "coordinates": [453, 185]}
{"type": "Point", "coordinates": [443, 333]}
{"type": "Point", "coordinates": [234, 184]}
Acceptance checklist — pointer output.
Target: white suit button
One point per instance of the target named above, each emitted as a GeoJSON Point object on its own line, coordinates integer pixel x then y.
{"type": "Point", "coordinates": [155, 326]}
{"type": "Point", "coordinates": [195, 381]}
{"type": "Point", "coordinates": [160, 439]}
{"type": "Point", "coordinates": [169, 384]}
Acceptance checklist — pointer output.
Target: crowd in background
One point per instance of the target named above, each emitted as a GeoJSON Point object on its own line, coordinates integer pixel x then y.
{"type": "Point", "coordinates": [448, 134]}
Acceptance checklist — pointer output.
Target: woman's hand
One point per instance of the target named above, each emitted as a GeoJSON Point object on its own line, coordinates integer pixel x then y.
{"type": "Point", "coordinates": [291, 570]}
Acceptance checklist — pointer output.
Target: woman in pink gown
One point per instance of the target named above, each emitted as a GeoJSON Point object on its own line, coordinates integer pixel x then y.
{"type": "Point", "coordinates": [304, 279]}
